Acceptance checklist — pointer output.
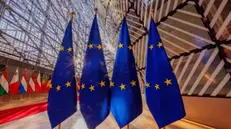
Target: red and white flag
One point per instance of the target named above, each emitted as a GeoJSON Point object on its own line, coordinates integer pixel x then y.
{"type": "Point", "coordinates": [31, 86]}
{"type": "Point", "coordinates": [14, 84]}
{"type": "Point", "coordinates": [38, 85]}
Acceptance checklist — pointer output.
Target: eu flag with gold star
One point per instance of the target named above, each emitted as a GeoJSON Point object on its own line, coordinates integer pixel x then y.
{"type": "Point", "coordinates": [126, 103]}
{"type": "Point", "coordinates": [62, 98]}
{"type": "Point", "coordinates": [162, 91]}
{"type": "Point", "coordinates": [94, 92]}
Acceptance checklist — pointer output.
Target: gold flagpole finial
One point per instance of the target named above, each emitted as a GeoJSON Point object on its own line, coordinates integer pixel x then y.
{"type": "Point", "coordinates": [72, 15]}
{"type": "Point", "coordinates": [153, 14]}
{"type": "Point", "coordinates": [95, 10]}
{"type": "Point", "coordinates": [125, 13]}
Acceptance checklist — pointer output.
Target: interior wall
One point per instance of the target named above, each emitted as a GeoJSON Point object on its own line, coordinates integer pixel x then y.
{"type": "Point", "coordinates": [214, 112]}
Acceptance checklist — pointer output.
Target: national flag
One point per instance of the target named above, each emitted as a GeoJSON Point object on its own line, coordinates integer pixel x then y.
{"type": "Point", "coordinates": [4, 84]}
{"type": "Point", "coordinates": [44, 83]}
{"type": "Point", "coordinates": [38, 85]}
{"type": "Point", "coordinates": [94, 93]}
{"type": "Point", "coordinates": [162, 91]}
{"type": "Point", "coordinates": [23, 84]}
{"type": "Point", "coordinates": [62, 98]}
{"type": "Point", "coordinates": [31, 86]}
{"type": "Point", "coordinates": [14, 84]}
{"type": "Point", "coordinates": [126, 103]}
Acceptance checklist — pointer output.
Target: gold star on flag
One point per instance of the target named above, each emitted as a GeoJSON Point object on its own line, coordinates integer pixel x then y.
{"type": "Point", "coordinates": [151, 47]}
{"type": "Point", "coordinates": [120, 45]}
{"type": "Point", "coordinates": [157, 86]}
{"type": "Point", "coordinates": [58, 88]}
{"type": "Point", "coordinates": [102, 83]}
{"type": "Point", "coordinates": [147, 85]}
{"type": "Point", "coordinates": [68, 84]}
{"type": "Point", "coordinates": [99, 47]}
{"type": "Point", "coordinates": [83, 86]}
{"type": "Point", "coordinates": [130, 47]}
{"type": "Point", "coordinates": [90, 46]}
{"type": "Point", "coordinates": [168, 81]}
{"type": "Point", "coordinates": [49, 85]}
{"type": "Point", "coordinates": [122, 86]}
{"type": "Point", "coordinates": [92, 88]}
{"type": "Point", "coordinates": [133, 83]}
{"type": "Point", "coordinates": [61, 48]}
{"type": "Point", "coordinates": [160, 44]}
{"type": "Point", "coordinates": [111, 84]}
{"type": "Point", "coordinates": [69, 49]}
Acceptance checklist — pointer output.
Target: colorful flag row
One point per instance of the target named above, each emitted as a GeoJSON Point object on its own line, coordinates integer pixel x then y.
{"type": "Point", "coordinates": [15, 87]}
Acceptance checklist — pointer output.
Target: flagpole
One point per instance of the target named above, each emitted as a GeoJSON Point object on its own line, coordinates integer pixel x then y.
{"type": "Point", "coordinates": [59, 127]}
{"type": "Point", "coordinates": [153, 14]}
{"type": "Point", "coordinates": [125, 13]}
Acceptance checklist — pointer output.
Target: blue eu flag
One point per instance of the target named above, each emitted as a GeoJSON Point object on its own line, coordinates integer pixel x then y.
{"type": "Point", "coordinates": [94, 93]}
{"type": "Point", "coordinates": [162, 91]}
{"type": "Point", "coordinates": [62, 97]}
{"type": "Point", "coordinates": [126, 102]}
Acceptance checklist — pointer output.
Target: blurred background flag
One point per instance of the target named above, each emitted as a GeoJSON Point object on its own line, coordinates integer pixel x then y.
{"type": "Point", "coordinates": [4, 84]}
{"type": "Point", "coordinates": [38, 86]}
{"type": "Point", "coordinates": [31, 86]}
{"type": "Point", "coordinates": [126, 102]}
{"type": "Point", "coordinates": [162, 91]}
{"type": "Point", "coordinates": [94, 92]}
{"type": "Point", "coordinates": [62, 98]}
{"type": "Point", "coordinates": [23, 84]}
{"type": "Point", "coordinates": [14, 84]}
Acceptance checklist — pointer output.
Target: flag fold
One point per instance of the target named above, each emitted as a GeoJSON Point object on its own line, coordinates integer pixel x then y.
{"type": "Point", "coordinates": [161, 88]}
{"type": "Point", "coordinates": [126, 103]}
{"type": "Point", "coordinates": [62, 98]}
{"type": "Point", "coordinates": [94, 88]}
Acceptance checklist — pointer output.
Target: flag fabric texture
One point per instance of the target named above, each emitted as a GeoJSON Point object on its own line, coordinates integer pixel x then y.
{"type": "Point", "coordinates": [38, 86]}
{"type": "Point", "coordinates": [4, 84]}
{"type": "Point", "coordinates": [23, 84]}
{"type": "Point", "coordinates": [126, 103]}
{"type": "Point", "coordinates": [31, 86]}
{"type": "Point", "coordinates": [62, 98]}
{"type": "Point", "coordinates": [162, 91]}
{"type": "Point", "coordinates": [14, 84]}
{"type": "Point", "coordinates": [94, 93]}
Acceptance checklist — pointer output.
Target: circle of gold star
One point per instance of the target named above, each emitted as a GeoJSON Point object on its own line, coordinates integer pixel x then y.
{"type": "Point", "coordinates": [99, 47]}
{"type": "Point", "coordinates": [151, 47]}
{"type": "Point", "coordinates": [58, 88]}
{"type": "Point", "coordinates": [90, 46]}
{"type": "Point", "coordinates": [130, 47]}
{"type": "Point", "coordinates": [133, 83]}
{"type": "Point", "coordinates": [69, 49]}
{"type": "Point", "coordinates": [160, 44]}
{"type": "Point", "coordinates": [157, 86]}
{"type": "Point", "coordinates": [120, 45]}
{"type": "Point", "coordinates": [92, 88]}
{"type": "Point", "coordinates": [111, 84]}
{"type": "Point", "coordinates": [61, 48]}
{"type": "Point", "coordinates": [68, 84]}
{"type": "Point", "coordinates": [83, 86]}
{"type": "Point", "coordinates": [168, 81]}
{"type": "Point", "coordinates": [122, 86]}
{"type": "Point", "coordinates": [147, 85]}
{"type": "Point", "coordinates": [102, 83]}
